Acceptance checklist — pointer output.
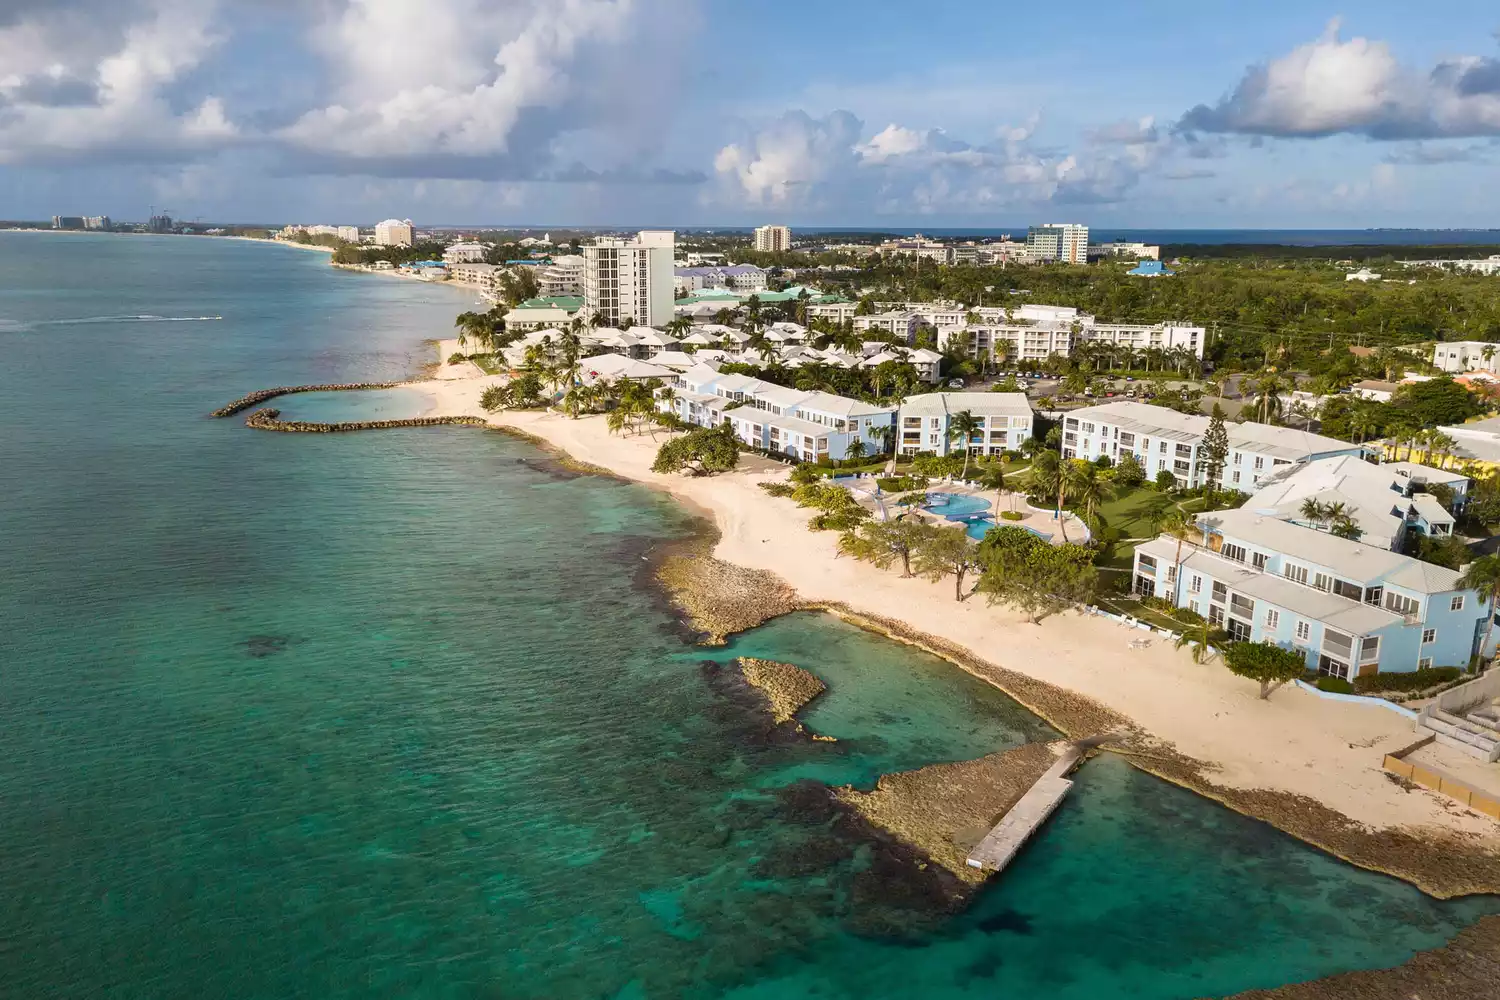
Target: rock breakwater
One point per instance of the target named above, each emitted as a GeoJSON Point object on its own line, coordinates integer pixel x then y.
{"type": "Point", "coordinates": [944, 809]}
{"type": "Point", "coordinates": [786, 687]}
{"type": "Point", "coordinates": [267, 420]}
{"type": "Point", "coordinates": [261, 395]}
{"type": "Point", "coordinates": [720, 598]}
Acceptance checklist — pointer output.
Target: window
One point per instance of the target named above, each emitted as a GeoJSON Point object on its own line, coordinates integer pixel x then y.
{"type": "Point", "coordinates": [1234, 478]}
{"type": "Point", "coordinates": [1401, 605]}
{"type": "Point", "coordinates": [1147, 562]}
{"type": "Point", "coordinates": [1457, 604]}
{"type": "Point", "coordinates": [1128, 440]}
{"type": "Point", "coordinates": [1293, 572]}
{"type": "Point", "coordinates": [1260, 462]}
{"type": "Point", "coordinates": [1429, 635]}
{"type": "Point", "coordinates": [1088, 428]}
{"type": "Point", "coordinates": [1369, 649]}
{"type": "Point", "coordinates": [1372, 595]}
{"type": "Point", "coordinates": [1215, 614]}
{"type": "Point", "coordinates": [1233, 551]}
{"type": "Point", "coordinates": [1304, 631]}
{"type": "Point", "coordinates": [1161, 463]}
{"type": "Point", "coordinates": [1425, 663]}
{"type": "Point", "coordinates": [1258, 560]}
{"type": "Point", "coordinates": [1242, 606]}
{"type": "Point", "coordinates": [1322, 581]}
{"type": "Point", "coordinates": [1221, 592]}
{"type": "Point", "coordinates": [1184, 451]}
{"type": "Point", "coordinates": [1162, 447]}
{"type": "Point", "coordinates": [1239, 631]}
{"type": "Point", "coordinates": [1273, 618]}
{"type": "Point", "coordinates": [1195, 584]}
{"type": "Point", "coordinates": [1344, 588]}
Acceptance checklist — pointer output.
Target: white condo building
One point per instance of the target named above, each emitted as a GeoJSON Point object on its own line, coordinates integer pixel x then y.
{"type": "Point", "coordinates": [564, 276]}
{"type": "Point", "coordinates": [1166, 440]}
{"type": "Point", "coordinates": [1466, 356]}
{"type": "Point", "coordinates": [924, 423]}
{"type": "Point", "coordinates": [773, 239]}
{"type": "Point", "coordinates": [394, 233]}
{"type": "Point", "coordinates": [630, 279]}
{"type": "Point", "coordinates": [1067, 242]}
{"type": "Point", "coordinates": [1033, 332]}
{"type": "Point", "coordinates": [465, 253]}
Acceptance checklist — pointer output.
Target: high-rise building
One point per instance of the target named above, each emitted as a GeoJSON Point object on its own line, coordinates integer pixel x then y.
{"type": "Point", "coordinates": [394, 233]}
{"type": "Point", "coordinates": [96, 222]}
{"type": "Point", "coordinates": [1058, 241]}
{"type": "Point", "coordinates": [773, 239]}
{"type": "Point", "coordinates": [67, 222]}
{"type": "Point", "coordinates": [630, 279]}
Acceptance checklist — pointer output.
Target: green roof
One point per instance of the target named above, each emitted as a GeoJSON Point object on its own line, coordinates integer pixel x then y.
{"type": "Point", "coordinates": [567, 303]}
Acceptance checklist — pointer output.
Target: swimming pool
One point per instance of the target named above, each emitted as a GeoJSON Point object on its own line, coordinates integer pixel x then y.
{"type": "Point", "coordinates": [979, 526]}
{"type": "Point", "coordinates": [954, 506]}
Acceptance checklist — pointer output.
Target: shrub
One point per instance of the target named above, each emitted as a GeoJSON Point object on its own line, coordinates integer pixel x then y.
{"type": "Point", "coordinates": [1011, 515]}
{"type": "Point", "coordinates": [1165, 481]}
{"type": "Point", "coordinates": [900, 484]}
{"type": "Point", "coordinates": [1103, 461]}
{"type": "Point", "coordinates": [1415, 680]}
{"type": "Point", "coordinates": [1334, 685]}
{"type": "Point", "coordinates": [778, 489]}
{"type": "Point", "coordinates": [1011, 456]}
{"type": "Point", "coordinates": [456, 358]}
{"type": "Point", "coordinates": [804, 474]}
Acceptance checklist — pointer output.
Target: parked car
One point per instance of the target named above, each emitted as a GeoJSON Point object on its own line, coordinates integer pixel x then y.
{"type": "Point", "coordinates": [955, 383]}
{"type": "Point", "coordinates": [1130, 378]}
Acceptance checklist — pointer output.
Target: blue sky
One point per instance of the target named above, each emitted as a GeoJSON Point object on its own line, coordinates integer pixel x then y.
{"type": "Point", "coordinates": [704, 112]}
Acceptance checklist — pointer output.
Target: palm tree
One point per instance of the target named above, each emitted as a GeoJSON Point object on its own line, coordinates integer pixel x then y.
{"type": "Point", "coordinates": [1202, 637]}
{"type": "Point", "coordinates": [1312, 510]}
{"type": "Point", "coordinates": [1483, 576]}
{"type": "Point", "coordinates": [1050, 474]}
{"type": "Point", "coordinates": [855, 451]}
{"type": "Point", "coordinates": [1363, 423]}
{"type": "Point", "coordinates": [1089, 488]}
{"type": "Point", "coordinates": [1442, 445]}
{"type": "Point", "coordinates": [668, 395]}
{"type": "Point", "coordinates": [962, 427]}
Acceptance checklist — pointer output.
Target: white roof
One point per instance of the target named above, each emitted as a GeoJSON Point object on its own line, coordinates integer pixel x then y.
{"type": "Point", "coordinates": [1374, 496]}
{"type": "Point", "coordinates": [678, 360]}
{"type": "Point", "coordinates": [619, 366]}
{"type": "Point", "coordinates": [980, 404]}
{"type": "Point", "coordinates": [1160, 422]}
{"type": "Point", "coordinates": [1342, 613]}
{"type": "Point", "coordinates": [1358, 562]}
{"type": "Point", "coordinates": [1426, 473]}
{"type": "Point", "coordinates": [843, 406]}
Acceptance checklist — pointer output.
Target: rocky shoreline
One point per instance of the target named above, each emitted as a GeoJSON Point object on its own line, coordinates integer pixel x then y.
{"type": "Point", "coordinates": [786, 687]}
{"type": "Point", "coordinates": [1466, 968]}
{"type": "Point", "coordinates": [720, 598]}
{"type": "Point", "coordinates": [267, 420]}
{"type": "Point", "coordinates": [943, 810]}
{"type": "Point", "coordinates": [261, 395]}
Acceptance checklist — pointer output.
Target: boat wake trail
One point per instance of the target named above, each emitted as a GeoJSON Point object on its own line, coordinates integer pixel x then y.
{"type": "Point", "coordinates": [85, 320]}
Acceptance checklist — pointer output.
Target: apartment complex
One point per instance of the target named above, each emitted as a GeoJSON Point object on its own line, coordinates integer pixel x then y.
{"type": "Point", "coordinates": [925, 422]}
{"type": "Point", "coordinates": [1466, 356]}
{"type": "Point", "coordinates": [465, 253]}
{"type": "Point", "coordinates": [1033, 332]}
{"type": "Point", "coordinates": [1385, 503]}
{"type": "Point", "coordinates": [1350, 609]}
{"type": "Point", "coordinates": [806, 426]}
{"type": "Point", "coordinates": [1067, 242]}
{"type": "Point", "coordinates": [773, 239]}
{"type": "Point", "coordinates": [564, 276]}
{"type": "Point", "coordinates": [630, 278]}
{"type": "Point", "coordinates": [394, 233]}
{"type": "Point", "coordinates": [740, 277]}
{"type": "Point", "coordinates": [1163, 439]}
{"type": "Point", "coordinates": [1137, 251]}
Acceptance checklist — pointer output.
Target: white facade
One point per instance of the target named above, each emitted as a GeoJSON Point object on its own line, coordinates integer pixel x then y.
{"type": "Point", "coordinates": [630, 279]}
{"type": "Point", "coordinates": [394, 233]}
{"type": "Point", "coordinates": [837, 312]}
{"type": "Point", "coordinates": [1067, 242]}
{"type": "Point", "coordinates": [1166, 440]}
{"type": "Point", "coordinates": [1033, 332]}
{"type": "Point", "coordinates": [564, 276]}
{"type": "Point", "coordinates": [902, 325]}
{"type": "Point", "coordinates": [465, 253]}
{"type": "Point", "coordinates": [1487, 266]}
{"type": "Point", "coordinates": [773, 239]}
{"type": "Point", "coordinates": [1138, 251]}
{"type": "Point", "coordinates": [924, 423]}
{"type": "Point", "coordinates": [1363, 274]}
{"type": "Point", "coordinates": [1466, 356]}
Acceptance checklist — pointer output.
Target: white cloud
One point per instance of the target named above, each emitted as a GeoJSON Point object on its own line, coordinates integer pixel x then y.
{"type": "Point", "coordinates": [824, 165]}
{"type": "Point", "coordinates": [71, 85]}
{"type": "Point", "coordinates": [474, 88]}
{"type": "Point", "coordinates": [1358, 86]}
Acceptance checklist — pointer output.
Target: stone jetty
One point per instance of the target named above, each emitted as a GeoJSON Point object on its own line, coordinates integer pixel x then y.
{"type": "Point", "coordinates": [260, 396]}
{"type": "Point", "coordinates": [266, 420]}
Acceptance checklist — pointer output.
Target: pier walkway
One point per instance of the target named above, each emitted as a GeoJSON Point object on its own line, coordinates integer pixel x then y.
{"type": "Point", "coordinates": [1024, 818]}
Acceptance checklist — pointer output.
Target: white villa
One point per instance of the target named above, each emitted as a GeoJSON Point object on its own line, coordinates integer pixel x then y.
{"type": "Point", "coordinates": [925, 422]}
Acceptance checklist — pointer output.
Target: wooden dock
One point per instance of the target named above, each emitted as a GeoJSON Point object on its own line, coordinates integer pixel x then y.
{"type": "Point", "coordinates": [1024, 818]}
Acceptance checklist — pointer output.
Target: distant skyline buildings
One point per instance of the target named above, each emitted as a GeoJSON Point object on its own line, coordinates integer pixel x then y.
{"type": "Point", "coordinates": [630, 279]}
{"type": "Point", "coordinates": [772, 239]}
{"type": "Point", "coordinates": [394, 233]}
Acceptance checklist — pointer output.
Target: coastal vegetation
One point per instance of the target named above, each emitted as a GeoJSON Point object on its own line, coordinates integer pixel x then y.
{"type": "Point", "coordinates": [703, 451]}
{"type": "Point", "coordinates": [1272, 666]}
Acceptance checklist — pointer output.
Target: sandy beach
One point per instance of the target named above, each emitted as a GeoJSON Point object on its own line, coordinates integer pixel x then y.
{"type": "Point", "coordinates": [1305, 751]}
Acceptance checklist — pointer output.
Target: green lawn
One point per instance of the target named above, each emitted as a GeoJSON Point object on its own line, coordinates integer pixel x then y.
{"type": "Point", "coordinates": [1127, 513]}
{"type": "Point", "coordinates": [1137, 610]}
{"type": "Point", "coordinates": [488, 364]}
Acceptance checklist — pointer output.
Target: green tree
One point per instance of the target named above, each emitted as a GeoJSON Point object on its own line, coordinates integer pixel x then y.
{"type": "Point", "coordinates": [1036, 579]}
{"type": "Point", "coordinates": [1166, 481]}
{"type": "Point", "coordinates": [944, 552]}
{"type": "Point", "coordinates": [1128, 473]}
{"type": "Point", "coordinates": [1204, 640]}
{"type": "Point", "coordinates": [882, 543]}
{"type": "Point", "coordinates": [700, 452]}
{"type": "Point", "coordinates": [1214, 451]}
{"type": "Point", "coordinates": [1483, 576]}
{"type": "Point", "coordinates": [1088, 488]}
{"type": "Point", "coordinates": [962, 427]}
{"type": "Point", "coordinates": [495, 397]}
{"type": "Point", "coordinates": [1049, 476]}
{"type": "Point", "coordinates": [1271, 665]}
{"type": "Point", "coordinates": [855, 451]}
{"type": "Point", "coordinates": [1437, 401]}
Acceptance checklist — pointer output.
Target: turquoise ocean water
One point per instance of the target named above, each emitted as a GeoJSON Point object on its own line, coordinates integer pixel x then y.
{"type": "Point", "coordinates": [393, 714]}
